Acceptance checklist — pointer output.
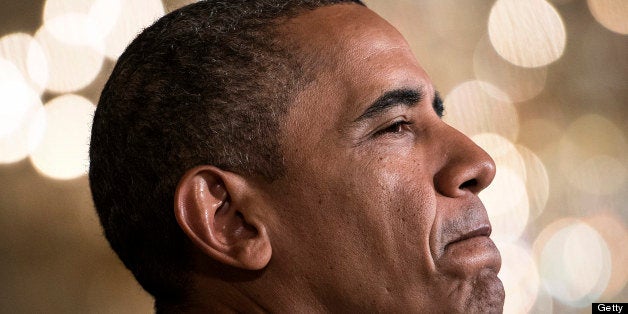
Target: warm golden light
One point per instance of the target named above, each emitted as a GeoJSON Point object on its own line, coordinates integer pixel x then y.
{"type": "Point", "coordinates": [503, 152]}
{"type": "Point", "coordinates": [471, 108]}
{"type": "Point", "coordinates": [541, 135]}
{"type": "Point", "coordinates": [537, 181]}
{"type": "Point", "coordinates": [561, 2]}
{"type": "Point", "coordinates": [56, 8]}
{"type": "Point", "coordinates": [518, 83]}
{"type": "Point", "coordinates": [37, 65]}
{"type": "Point", "coordinates": [506, 201]}
{"type": "Point", "coordinates": [520, 277]}
{"type": "Point", "coordinates": [595, 134]}
{"type": "Point", "coordinates": [574, 262]}
{"type": "Point", "coordinates": [613, 230]}
{"type": "Point", "coordinates": [459, 28]}
{"type": "Point", "coordinates": [10, 77]}
{"type": "Point", "coordinates": [21, 115]}
{"type": "Point", "coordinates": [104, 14]}
{"type": "Point", "coordinates": [91, 22]}
{"type": "Point", "coordinates": [20, 49]}
{"type": "Point", "coordinates": [16, 98]}
{"type": "Point", "coordinates": [544, 302]}
{"type": "Point", "coordinates": [592, 155]}
{"type": "Point", "coordinates": [75, 29]}
{"type": "Point", "coordinates": [113, 289]}
{"type": "Point", "coordinates": [172, 5]}
{"type": "Point", "coordinates": [612, 14]}
{"type": "Point", "coordinates": [73, 61]}
{"type": "Point", "coordinates": [63, 153]}
{"type": "Point", "coordinates": [601, 175]}
{"type": "Point", "coordinates": [135, 15]}
{"type": "Point", "coordinates": [527, 33]}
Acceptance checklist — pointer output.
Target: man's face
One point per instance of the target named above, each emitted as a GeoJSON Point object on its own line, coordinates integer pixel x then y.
{"type": "Point", "coordinates": [379, 207]}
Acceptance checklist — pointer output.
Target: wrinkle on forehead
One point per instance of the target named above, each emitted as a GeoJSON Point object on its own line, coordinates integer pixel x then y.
{"type": "Point", "coordinates": [325, 33]}
{"type": "Point", "coordinates": [337, 42]}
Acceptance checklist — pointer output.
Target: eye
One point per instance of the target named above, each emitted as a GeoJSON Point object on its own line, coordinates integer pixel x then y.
{"type": "Point", "coordinates": [395, 128]}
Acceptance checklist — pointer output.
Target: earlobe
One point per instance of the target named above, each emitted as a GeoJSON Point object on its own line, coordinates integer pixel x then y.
{"type": "Point", "coordinates": [214, 209]}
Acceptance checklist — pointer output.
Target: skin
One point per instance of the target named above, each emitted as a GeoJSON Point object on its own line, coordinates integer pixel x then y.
{"type": "Point", "coordinates": [376, 212]}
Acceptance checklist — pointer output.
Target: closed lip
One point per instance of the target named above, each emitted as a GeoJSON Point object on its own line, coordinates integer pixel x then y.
{"type": "Point", "coordinates": [468, 253]}
{"type": "Point", "coordinates": [479, 231]}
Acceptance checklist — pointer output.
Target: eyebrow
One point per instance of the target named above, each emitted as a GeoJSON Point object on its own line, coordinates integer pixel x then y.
{"type": "Point", "coordinates": [391, 99]}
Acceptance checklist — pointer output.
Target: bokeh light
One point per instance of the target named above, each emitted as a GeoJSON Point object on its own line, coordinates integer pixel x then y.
{"type": "Point", "coordinates": [574, 262]}
{"type": "Point", "coordinates": [172, 5]}
{"type": "Point", "coordinates": [599, 175]}
{"type": "Point", "coordinates": [20, 49]}
{"type": "Point", "coordinates": [75, 29]}
{"type": "Point", "coordinates": [56, 8]}
{"type": "Point", "coordinates": [612, 75]}
{"type": "Point", "coordinates": [544, 303]}
{"type": "Point", "coordinates": [95, 19]}
{"type": "Point", "coordinates": [135, 15]}
{"type": "Point", "coordinates": [37, 65]}
{"type": "Point", "coordinates": [611, 228]}
{"type": "Point", "coordinates": [527, 33]}
{"type": "Point", "coordinates": [74, 61]}
{"type": "Point", "coordinates": [541, 135]}
{"type": "Point", "coordinates": [520, 277]}
{"type": "Point", "coordinates": [116, 292]}
{"type": "Point", "coordinates": [12, 106]}
{"type": "Point", "coordinates": [466, 31]}
{"type": "Point", "coordinates": [537, 181]}
{"type": "Point", "coordinates": [21, 115]}
{"type": "Point", "coordinates": [613, 14]}
{"type": "Point", "coordinates": [104, 14]}
{"type": "Point", "coordinates": [518, 83]}
{"type": "Point", "coordinates": [471, 108]}
{"type": "Point", "coordinates": [592, 155]}
{"type": "Point", "coordinates": [595, 134]}
{"type": "Point", "coordinates": [507, 205]}
{"type": "Point", "coordinates": [561, 2]}
{"type": "Point", "coordinates": [63, 153]}
{"type": "Point", "coordinates": [503, 152]}
{"type": "Point", "coordinates": [506, 201]}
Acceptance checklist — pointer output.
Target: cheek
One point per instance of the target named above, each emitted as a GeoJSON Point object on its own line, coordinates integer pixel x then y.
{"type": "Point", "coordinates": [366, 224]}
{"type": "Point", "coordinates": [410, 215]}
{"type": "Point", "coordinates": [398, 209]}
{"type": "Point", "coordinates": [409, 190]}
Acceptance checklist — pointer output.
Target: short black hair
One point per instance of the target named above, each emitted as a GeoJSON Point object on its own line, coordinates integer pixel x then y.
{"type": "Point", "coordinates": [205, 84]}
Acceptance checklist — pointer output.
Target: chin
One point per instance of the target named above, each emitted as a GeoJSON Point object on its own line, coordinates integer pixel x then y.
{"type": "Point", "coordinates": [483, 293]}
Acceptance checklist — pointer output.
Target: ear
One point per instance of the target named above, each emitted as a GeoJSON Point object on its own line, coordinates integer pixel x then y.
{"type": "Point", "coordinates": [217, 210]}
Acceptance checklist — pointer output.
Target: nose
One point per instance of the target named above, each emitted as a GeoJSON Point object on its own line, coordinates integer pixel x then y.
{"type": "Point", "coordinates": [467, 167]}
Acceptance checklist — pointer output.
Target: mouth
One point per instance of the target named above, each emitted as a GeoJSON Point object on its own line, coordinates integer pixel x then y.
{"type": "Point", "coordinates": [467, 248]}
{"type": "Point", "coordinates": [466, 258]}
{"type": "Point", "coordinates": [480, 231]}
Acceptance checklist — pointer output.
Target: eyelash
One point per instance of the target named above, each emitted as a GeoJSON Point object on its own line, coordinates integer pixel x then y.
{"type": "Point", "coordinates": [394, 128]}
{"type": "Point", "coordinates": [438, 105]}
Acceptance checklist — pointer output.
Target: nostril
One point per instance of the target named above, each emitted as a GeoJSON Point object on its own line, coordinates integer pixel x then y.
{"type": "Point", "coordinates": [469, 184]}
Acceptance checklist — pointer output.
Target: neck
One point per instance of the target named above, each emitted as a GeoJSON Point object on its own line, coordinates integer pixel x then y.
{"type": "Point", "coordinates": [213, 303]}
{"type": "Point", "coordinates": [259, 295]}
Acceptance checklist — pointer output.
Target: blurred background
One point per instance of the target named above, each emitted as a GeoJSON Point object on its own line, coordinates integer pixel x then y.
{"type": "Point", "coordinates": [541, 85]}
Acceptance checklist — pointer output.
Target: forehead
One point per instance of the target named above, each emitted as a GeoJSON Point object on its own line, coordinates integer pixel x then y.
{"type": "Point", "coordinates": [355, 56]}
{"type": "Point", "coordinates": [349, 28]}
